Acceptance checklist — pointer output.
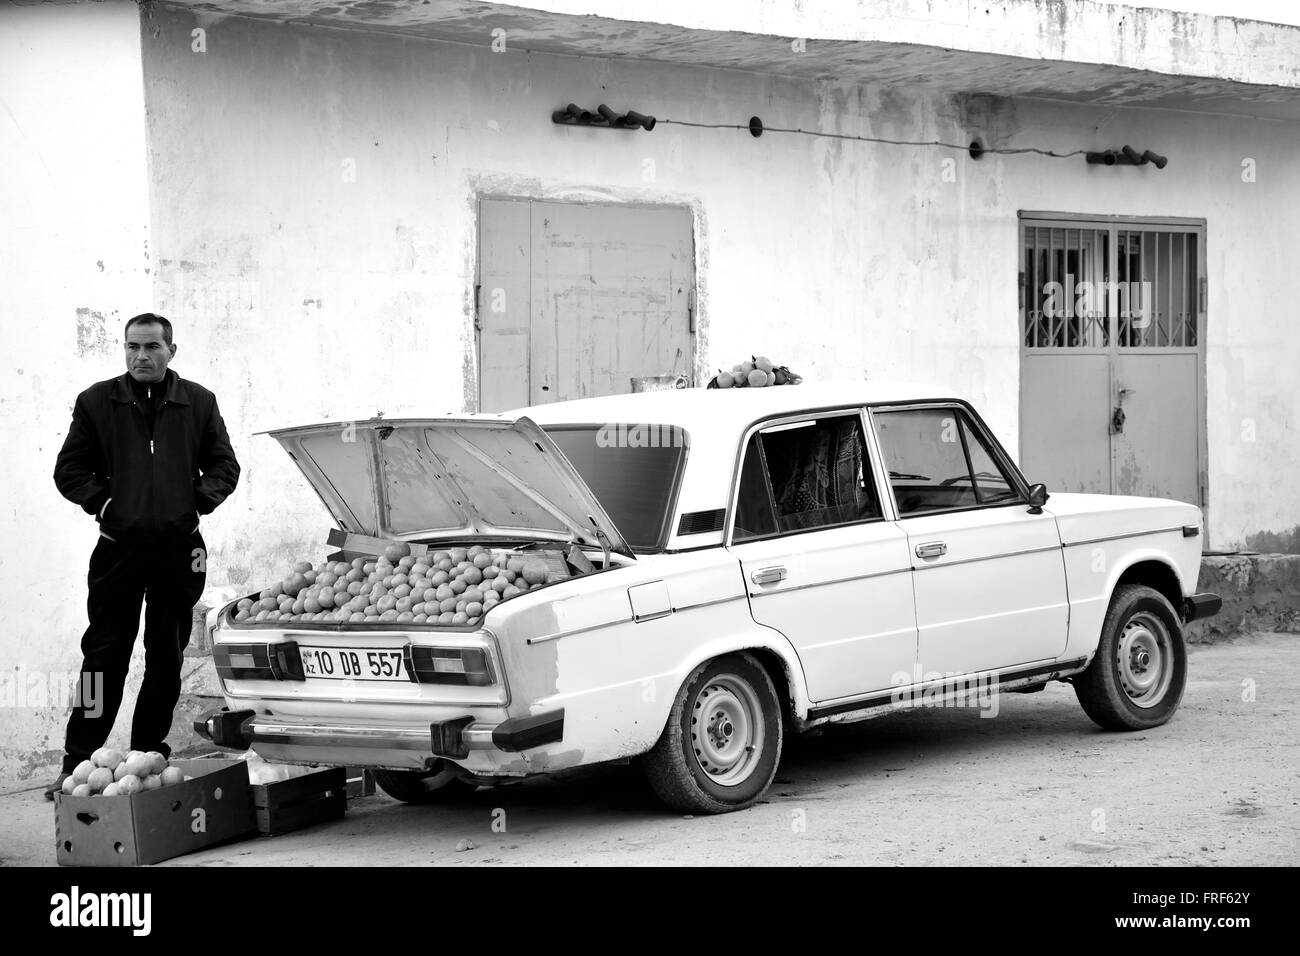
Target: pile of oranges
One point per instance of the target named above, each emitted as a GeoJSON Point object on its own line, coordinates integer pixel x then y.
{"type": "Point", "coordinates": [110, 773]}
{"type": "Point", "coordinates": [758, 372]}
{"type": "Point", "coordinates": [456, 586]}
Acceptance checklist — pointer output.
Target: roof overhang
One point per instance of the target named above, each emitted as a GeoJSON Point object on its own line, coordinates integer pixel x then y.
{"type": "Point", "coordinates": [1071, 50]}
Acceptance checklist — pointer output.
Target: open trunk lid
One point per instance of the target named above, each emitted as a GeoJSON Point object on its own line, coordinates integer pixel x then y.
{"type": "Point", "coordinates": [449, 478]}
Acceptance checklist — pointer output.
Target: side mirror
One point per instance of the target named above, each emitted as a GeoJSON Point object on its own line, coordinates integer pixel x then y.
{"type": "Point", "coordinates": [1037, 498]}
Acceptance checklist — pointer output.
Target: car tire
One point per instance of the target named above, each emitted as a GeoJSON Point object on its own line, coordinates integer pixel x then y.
{"type": "Point", "coordinates": [440, 785]}
{"type": "Point", "coordinates": [720, 748]}
{"type": "Point", "coordinates": [1136, 679]}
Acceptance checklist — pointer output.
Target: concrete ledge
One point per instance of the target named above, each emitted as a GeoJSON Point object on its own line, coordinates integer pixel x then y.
{"type": "Point", "coordinates": [1261, 592]}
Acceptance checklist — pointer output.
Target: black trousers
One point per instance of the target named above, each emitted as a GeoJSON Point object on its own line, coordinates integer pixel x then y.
{"type": "Point", "coordinates": [167, 575]}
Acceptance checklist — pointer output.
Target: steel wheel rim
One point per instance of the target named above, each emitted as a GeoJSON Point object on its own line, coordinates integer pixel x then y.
{"type": "Point", "coordinates": [1145, 660]}
{"type": "Point", "coordinates": [727, 730]}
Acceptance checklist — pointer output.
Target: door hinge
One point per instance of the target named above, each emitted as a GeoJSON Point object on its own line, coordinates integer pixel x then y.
{"type": "Point", "coordinates": [1203, 295]}
{"type": "Point", "coordinates": [478, 324]}
{"type": "Point", "coordinates": [690, 311]}
{"type": "Point", "coordinates": [1021, 284]}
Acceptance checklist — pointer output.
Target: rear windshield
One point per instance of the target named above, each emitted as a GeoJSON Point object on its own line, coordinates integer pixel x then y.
{"type": "Point", "coordinates": [632, 470]}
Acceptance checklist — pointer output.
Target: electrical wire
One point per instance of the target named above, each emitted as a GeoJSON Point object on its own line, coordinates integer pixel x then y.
{"type": "Point", "coordinates": [964, 147]}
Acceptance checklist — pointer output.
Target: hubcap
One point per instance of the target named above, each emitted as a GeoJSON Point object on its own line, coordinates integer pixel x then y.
{"type": "Point", "coordinates": [1145, 660]}
{"type": "Point", "coordinates": [727, 730]}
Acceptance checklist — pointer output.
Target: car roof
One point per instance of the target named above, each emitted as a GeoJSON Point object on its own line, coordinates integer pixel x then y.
{"type": "Point", "coordinates": [733, 408]}
{"type": "Point", "coordinates": [715, 421]}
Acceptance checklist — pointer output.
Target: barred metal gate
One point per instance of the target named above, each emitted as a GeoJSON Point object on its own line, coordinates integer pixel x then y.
{"type": "Point", "coordinates": [1112, 380]}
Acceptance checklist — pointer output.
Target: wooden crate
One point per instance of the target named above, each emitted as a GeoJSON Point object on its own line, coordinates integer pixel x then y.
{"type": "Point", "coordinates": [300, 801]}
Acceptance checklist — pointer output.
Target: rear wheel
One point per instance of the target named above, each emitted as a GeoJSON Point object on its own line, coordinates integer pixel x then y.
{"type": "Point", "coordinates": [720, 748]}
{"type": "Point", "coordinates": [1136, 678]}
{"type": "Point", "coordinates": [440, 785]}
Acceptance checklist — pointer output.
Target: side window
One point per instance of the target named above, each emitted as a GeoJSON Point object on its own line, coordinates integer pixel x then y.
{"type": "Point", "coordinates": [936, 461]}
{"type": "Point", "coordinates": [805, 475]}
{"type": "Point", "coordinates": [755, 512]}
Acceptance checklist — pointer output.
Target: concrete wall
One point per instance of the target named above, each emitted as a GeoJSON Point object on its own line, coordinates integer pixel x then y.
{"type": "Point", "coordinates": [74, 265]}
{"type": "Point", "coordinates": [312, 195]}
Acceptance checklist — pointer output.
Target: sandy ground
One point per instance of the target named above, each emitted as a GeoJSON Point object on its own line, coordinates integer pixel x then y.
{"type": "Point", "coordinates": [1037, 784]}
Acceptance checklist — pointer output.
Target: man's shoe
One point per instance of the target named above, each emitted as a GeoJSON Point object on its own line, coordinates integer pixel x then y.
{"type": "Point", "coordinates": [55, 787]}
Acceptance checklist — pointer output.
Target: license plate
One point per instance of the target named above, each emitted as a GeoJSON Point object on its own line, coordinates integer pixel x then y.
{"type": "Point", "coordinates": [352, 663]}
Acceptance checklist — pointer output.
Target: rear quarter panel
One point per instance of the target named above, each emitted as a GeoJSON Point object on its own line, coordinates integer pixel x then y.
{"type": "Point", "coordinates": [577, 646]}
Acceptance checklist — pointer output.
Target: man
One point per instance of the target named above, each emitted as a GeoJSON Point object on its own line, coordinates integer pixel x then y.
{"type": "Point", "coordinates": [147, 454]}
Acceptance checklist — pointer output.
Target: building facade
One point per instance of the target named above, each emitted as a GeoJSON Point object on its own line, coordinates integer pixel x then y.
{"type": "Point", "coordinates": [352, 208]}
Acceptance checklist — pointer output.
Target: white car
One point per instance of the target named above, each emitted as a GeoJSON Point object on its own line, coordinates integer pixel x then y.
{"type": "Point", "coordinates": [710, 570]}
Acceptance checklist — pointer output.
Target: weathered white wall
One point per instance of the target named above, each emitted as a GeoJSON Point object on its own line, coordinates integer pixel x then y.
{"type": "Point", "coordinates": [316, 296]}
{"type": "Point", "coordinates": [74, 265]}
{"type": "Point", "coordinates": [313, 226]}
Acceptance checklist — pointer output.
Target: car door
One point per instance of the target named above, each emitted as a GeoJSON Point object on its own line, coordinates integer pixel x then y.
{"type": "Point", "coordinates": [988, 574]}
{"type": "Point", "coordinates": [822, 563]}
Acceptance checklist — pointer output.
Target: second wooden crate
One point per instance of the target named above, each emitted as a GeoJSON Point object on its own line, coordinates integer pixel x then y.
{"type": "Point", "coordinates": [301, 801]}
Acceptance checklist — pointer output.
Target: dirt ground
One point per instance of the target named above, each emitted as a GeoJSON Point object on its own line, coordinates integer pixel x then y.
{"type": "Point", "coordinates": [1037, 784]}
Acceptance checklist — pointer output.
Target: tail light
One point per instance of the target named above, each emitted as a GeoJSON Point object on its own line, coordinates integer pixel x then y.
{"type": "Point", "coordinates": [258, 661]}
{"type": "Point", "coordinates": [466, 666]}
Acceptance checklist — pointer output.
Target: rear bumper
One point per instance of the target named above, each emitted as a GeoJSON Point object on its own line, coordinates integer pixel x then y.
{"type": "Point", "coordinates": [1201, 605]}
{"type": "Point", "coordinates": [453, 738]}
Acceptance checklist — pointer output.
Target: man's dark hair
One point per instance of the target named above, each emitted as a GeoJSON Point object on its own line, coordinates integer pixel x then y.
{"type": "Point", "coordinates": [149, 318]}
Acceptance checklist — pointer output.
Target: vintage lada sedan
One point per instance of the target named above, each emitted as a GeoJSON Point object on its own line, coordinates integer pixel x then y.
{"type": "Point", "coordinates": [683, 578]}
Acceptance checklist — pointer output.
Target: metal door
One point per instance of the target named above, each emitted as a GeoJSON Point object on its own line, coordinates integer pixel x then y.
{"type": "Point", "coordinates": [1112, 318]}
{"type": "Point", "coordinates": [988, 575]}
{"type": "Point", "coordinates": [577, 299]}
{"type": "Point", "coordinates": [834, 581]}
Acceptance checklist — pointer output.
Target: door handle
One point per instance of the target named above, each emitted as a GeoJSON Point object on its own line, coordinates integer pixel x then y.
{"type": "Point", "coordinates": [931, 549]}
{"type": "Point", "coordinates": [768, 575]}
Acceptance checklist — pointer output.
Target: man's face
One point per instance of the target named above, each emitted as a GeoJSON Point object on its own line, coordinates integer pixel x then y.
{"type": "Point", "coordinates": [147, 353]}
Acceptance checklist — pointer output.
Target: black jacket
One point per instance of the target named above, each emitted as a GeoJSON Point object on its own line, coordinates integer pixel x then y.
{"type": "Point", "coordinates": [159, 481]}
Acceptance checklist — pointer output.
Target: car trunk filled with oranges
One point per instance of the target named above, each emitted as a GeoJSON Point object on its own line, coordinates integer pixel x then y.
{"type": "Point", "coordinates": [404, 585]}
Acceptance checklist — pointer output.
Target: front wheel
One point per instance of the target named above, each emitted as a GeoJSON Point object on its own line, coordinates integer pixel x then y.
{"type": "Point", "coordinates": [1136, 678]}
{"type": "Point", "coordinates": [720, 748]}
{"type": "Point", "coordinates": [441, 785]}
